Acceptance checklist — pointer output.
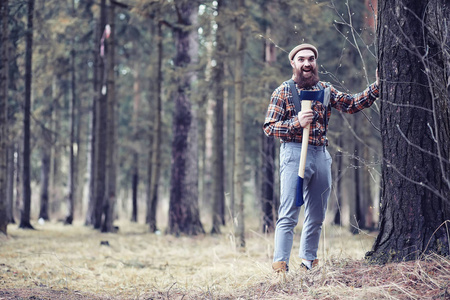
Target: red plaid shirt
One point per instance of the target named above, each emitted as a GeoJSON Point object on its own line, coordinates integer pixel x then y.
{"type": "Point", "coordinates": [282, 120]}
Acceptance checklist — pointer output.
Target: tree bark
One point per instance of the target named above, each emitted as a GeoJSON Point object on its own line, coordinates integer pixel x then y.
{"type": "Point", "coordinates": [72, 159]}
{"type": "Point", "coordinates": [135, 168]}
{"type": "Point", "coordinates": [26, 205]}
{"type": "Point", "coordinates": [268, 200]}
{"type": "Point", "coordinates": [367, 183]}
{"type": "Point", "coordinates": [184, 217]}
{"type": "Point", "coordinates": [415, 187]}
{"type": "Point", "coordinates": [156, 141]}
{"type": "Point", "coordinates": [101, 128]}
{"type": "Point", "coordinates": [81, 137]}
{"type": "Point", "coordinates": [111, 166]}
{"type": "Point", "coordinates": [55, 181]}
{"type": "Point", "coordinates": [18, 176]}
{"type": "Point", "coordinates": [238, 175]}
{"type": "Point", "coordinates": [268, 182]}
{"type": "Point", "coordinates": [10, 185]}
{"type": "Point", "coordinates": [337, 159]}
{"type": "Point", "coordinates": [45, 179]}
{"type": "Point", "coordinates": [90, 214]}
{"type": "Point", "coordinates": [357, 217]}
{"type": "Point", "coordinates": [218, 145]}
{"type": "Point", "coordinates": [4, 44]}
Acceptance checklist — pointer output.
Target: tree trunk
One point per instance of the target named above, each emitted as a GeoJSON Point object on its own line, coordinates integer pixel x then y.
{"type": "Point", "coordinates": [101, 127]}
{"type": "Point", "coordinates": [72, 164]}
{"type": "Point", "coordinates": [81, 137]}
{"type": "Point", "coordinates": [26, 205]}
{"type": "Point", "coordinates": [135, 168]}
{"type": "Point", "coordinates": [156, 141]}
{"type": "Point", "coordinates": [337, 159]}
{"type": "Point", "coordinates": [415, 186]}
{"type": "Point", "coordinates": [268, 200]}
{"type": "Point", "coordinates": [184, 217]}
{"type": "Point", "coordinates": [367, 183]}
{"type": "Point", "coordinates": [230, 127]}
{"type": "Point", "coordinates": [267, 184]}
{"type": "Point", "coordinates": [90, 214]}
{"type": "Point", "coordinates": [55, 181]}
{"type": "Point", "coordinates": [111, 166]}
{"type": "Point", "coordinates": [150, 214]}
{"type": "Point", "coordinates": [13, 154]}
{"type": "Point", "coordinates": [45, 179]}
{"type": "Point", "coordinates": [357, 217]}
{"type": "Point", "coordinates": [238, 175]}
{"type": "Point", "coordinates": [4, 44]}
{"type": "Point", "coordinates": [10, 187]}
{"type": "Point", "coordinates": [18, 176]}
{"type": "Point", "coordinates": [218, 145]}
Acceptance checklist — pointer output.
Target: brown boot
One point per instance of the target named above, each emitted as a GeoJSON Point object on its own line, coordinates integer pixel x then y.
{"type": "Point", "coordinates": [280, 268]}
{"type": "Point", "coordinates": [315, 263]}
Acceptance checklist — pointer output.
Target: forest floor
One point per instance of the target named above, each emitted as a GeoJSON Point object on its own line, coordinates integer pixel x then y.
{"type": "Point", "coordinates": [77, 262]}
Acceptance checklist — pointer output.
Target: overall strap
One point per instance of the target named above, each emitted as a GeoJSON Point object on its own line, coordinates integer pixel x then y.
{"type": "Point", "coordinates": [295, 96]}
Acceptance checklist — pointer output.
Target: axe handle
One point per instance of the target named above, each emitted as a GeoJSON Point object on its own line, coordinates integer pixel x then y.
{"type": "Point", "coordinates": [306, 105]}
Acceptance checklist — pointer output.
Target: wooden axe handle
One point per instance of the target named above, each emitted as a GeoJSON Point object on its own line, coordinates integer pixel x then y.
{"type": "Point", "coordinates": [306, 105]}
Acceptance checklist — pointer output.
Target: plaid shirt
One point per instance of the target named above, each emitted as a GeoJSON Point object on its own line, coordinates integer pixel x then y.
{"type": "Point", "coordinates": [282, 120]}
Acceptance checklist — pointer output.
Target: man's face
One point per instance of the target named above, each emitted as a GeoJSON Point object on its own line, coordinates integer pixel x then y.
{"type": "Point", "coordinates": [304, 68]}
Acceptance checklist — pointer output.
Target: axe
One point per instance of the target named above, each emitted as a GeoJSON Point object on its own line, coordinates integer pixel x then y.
{"type": "Point", "coordinates": [306, 97]}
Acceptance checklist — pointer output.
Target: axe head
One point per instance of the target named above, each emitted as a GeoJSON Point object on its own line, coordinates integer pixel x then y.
{"type": "Point", "coordinates": [323, 96]}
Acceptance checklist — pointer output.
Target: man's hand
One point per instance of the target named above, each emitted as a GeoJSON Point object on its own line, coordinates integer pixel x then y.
{"type": "Point", "coordinates": [305, 117]}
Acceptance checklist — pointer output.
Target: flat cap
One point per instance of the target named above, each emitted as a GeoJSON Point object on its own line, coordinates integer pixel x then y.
{"type": "Point", "coordinates": [303, 47]}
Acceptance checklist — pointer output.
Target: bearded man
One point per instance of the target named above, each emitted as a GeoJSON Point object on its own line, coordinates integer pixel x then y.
{"type": "Point", "coordinates": [284, 122]}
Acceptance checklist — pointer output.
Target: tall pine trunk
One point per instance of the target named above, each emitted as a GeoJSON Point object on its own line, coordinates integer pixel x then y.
{"type": "Point", "coordinates": [110, 200]}
{"type": "Point", "coordinates": [337, 175]}
{"type": "Point", "coordinates": [135, 168]}
{"type": "Point", "coordinates": [72, 159]}
{"type": "Point", "coordinates": [10, 183]}
{"type": "Point", "coordinates": [90, 214]}
{"type": "Point", "coordinates": [238, 174]}
{"type": "Point", "coordinates": [218, 145]}
{"type": "Point", "coordinates": [268, 200]}
{"type": "Point", "coordinates": [357, 217]}
{"type": "Point", "coordinates": [4, 44]}
{"type": "Point", "coordinates": [415, 184]}
{"type": "Point", "coordinates": [367, 183]}
{"type": "Point", "coordinates": [45, 180]}
{"type": "Point", "coordinates": [156, 141]}
{"type": "Point", "coordinates": [26, 171]}
{"type": "Point", "coordinates": [55, 180]}
{"type": "Point", "coordinates": [184, 217]}
{"type": "Point", "coordinates": [101, 127]}
{"type": "Point", "coordinates": [81, 137]}
{"type": "Point", "coordinates": [18, 163]}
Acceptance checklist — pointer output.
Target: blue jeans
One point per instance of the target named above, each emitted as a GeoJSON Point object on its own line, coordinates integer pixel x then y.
{"type": "Point", "coordinates": [316, 190]}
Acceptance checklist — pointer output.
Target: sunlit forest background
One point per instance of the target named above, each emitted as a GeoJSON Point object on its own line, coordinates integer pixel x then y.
{"type": "Point", "coordinates": [131, 140]}
{"type": "Point", "coordinates": [113, 81]}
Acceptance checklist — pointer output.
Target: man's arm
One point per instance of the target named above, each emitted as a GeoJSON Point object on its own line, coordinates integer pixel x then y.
{"type": "Point", "coordinates": [279, 122]}
{"type": "Point", "coordinates": [352, 103]}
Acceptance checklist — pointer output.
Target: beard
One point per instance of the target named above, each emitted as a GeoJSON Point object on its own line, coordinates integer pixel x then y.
{"type": "Point", "coordinates": [306, 82]}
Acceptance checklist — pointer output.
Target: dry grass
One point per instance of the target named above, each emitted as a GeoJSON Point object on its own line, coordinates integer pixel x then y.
{"type": "Point", "coordinates": [68, 262]}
